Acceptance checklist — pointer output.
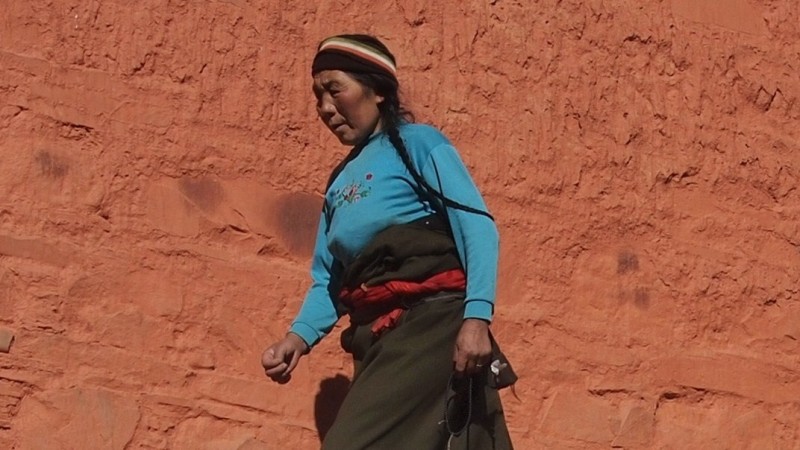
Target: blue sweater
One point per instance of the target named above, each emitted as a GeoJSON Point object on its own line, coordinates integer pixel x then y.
{"type": "Point", "coordinates": [375, 191]}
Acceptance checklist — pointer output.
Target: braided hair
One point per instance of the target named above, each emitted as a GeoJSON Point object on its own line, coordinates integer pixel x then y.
{"type": "Point", "coordinates": [393, 114]}
{"type": "Point", "coordinates": [382, 80]}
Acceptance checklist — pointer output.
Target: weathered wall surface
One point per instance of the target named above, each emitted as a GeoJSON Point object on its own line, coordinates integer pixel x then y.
{"type": "Point", "coordinates": [160, 176]}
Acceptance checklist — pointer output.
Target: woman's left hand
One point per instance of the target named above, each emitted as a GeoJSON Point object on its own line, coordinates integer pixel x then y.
{"type": "Point", "coordinates": [473, 347]}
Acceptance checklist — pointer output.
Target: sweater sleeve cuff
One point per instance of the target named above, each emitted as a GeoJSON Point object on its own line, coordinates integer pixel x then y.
{"type": "Point", "coordinates": [478, 309]}
{"type": "Point", "coordinates": [308, 334]}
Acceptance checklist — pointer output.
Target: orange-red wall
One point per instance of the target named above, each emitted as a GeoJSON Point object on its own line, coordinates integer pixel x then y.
{"type": "Point", "coordinates": [160, 177]}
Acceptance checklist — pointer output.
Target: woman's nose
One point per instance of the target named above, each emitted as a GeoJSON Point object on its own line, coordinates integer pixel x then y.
{"type": "Point", "coordinates": [325, 107]}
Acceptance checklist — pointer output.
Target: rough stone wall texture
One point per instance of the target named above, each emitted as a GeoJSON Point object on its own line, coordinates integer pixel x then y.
{"type": "Point", "coordinates": [160, 178]}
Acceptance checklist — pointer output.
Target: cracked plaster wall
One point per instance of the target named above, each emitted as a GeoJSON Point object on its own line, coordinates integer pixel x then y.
{"type": "Point", "coordinates": [160, 176]}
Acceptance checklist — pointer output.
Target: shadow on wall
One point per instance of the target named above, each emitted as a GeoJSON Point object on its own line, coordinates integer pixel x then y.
{"type": "Point", "coordinates": [329, 398]}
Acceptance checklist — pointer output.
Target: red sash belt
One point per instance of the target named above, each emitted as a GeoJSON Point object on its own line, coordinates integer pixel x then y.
{"type": "Point", "coordinates": [396, 295]}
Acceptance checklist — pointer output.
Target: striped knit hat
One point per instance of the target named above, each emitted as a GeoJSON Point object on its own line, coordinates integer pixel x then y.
{"type": "Point", "coordinates": [354, 53]}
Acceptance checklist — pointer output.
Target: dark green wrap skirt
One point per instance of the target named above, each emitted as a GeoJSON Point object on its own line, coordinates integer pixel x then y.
{"type": "Point", "coordinates": [402, 383]}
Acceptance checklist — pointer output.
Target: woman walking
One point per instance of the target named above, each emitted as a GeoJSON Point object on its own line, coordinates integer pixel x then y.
{"type": "Point", "coordinates": [407, 249]}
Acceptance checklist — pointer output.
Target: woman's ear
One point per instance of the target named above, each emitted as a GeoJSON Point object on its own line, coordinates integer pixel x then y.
{"type": "Point", "coordinates": [379, 99]}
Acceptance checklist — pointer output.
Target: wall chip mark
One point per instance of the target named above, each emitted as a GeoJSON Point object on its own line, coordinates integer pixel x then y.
{"type": "Point", "coordinates": [50, 165]}
{"type": "Point", "coordinates": [204, 192]}
{"type": "Point", "coordinates": [627, 261]}
{"type": "Point", "coordinates": [6, 339]}
{"type": "Point", "coordinates": [641, 298]}
{"type": "Point", "coordinates": [298, 216]}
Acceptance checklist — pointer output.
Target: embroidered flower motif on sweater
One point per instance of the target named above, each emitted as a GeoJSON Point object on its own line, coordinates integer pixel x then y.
{"type": "Point", "coordinates": [351, 193]}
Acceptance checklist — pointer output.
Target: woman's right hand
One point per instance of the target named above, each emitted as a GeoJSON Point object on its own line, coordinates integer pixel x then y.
{"type": "Point", "coordinates": [280, 359]}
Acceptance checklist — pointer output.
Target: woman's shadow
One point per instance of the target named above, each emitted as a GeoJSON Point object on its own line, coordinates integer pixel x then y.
{"type": "Point", "coordinates": [332, 392]}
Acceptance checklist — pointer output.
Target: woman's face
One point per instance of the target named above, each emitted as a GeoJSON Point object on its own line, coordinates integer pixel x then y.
{"type": "Point", "coordinates": [346, 107]}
